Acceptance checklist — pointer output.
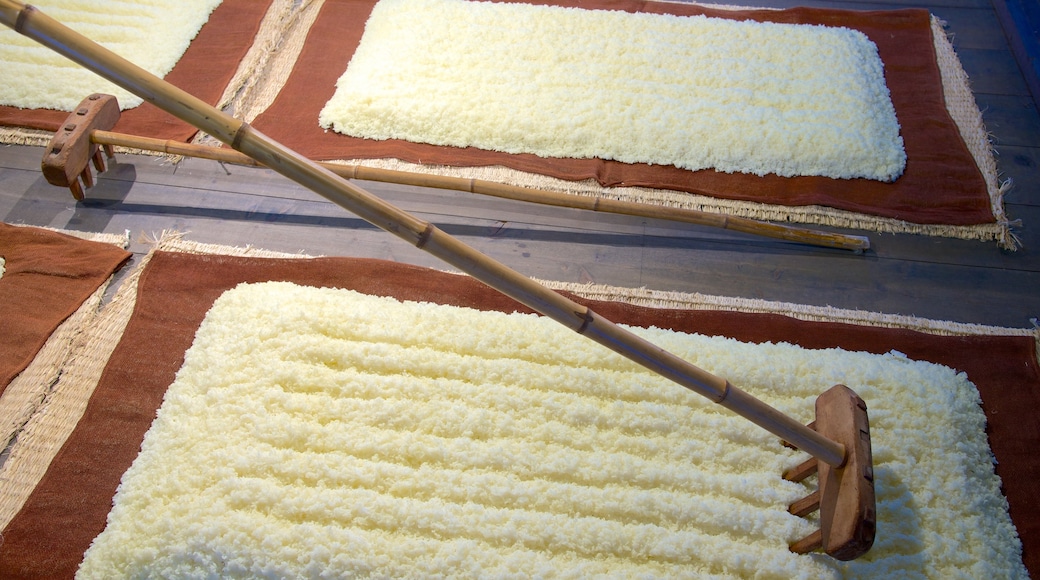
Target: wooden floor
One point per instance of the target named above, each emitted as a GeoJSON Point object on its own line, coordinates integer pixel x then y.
{"type": "Point", "coordinates": [944, 279]}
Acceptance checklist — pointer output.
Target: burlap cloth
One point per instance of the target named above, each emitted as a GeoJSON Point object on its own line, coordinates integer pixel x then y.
{"type": "Point", "coordinates": [47, 276]}
{"type": "Point", "coordinates": [68, 508]}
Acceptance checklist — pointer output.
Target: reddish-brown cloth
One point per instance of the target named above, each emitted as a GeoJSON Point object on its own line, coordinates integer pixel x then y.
{"type": "Point", "coordinates": [204, 70]}
{"type": "Point", "coordinates": [68, 508]}
{"type": "Point", "coordinates": [941, 185]}
{"type": "Point", "coordinates": [47, 277]}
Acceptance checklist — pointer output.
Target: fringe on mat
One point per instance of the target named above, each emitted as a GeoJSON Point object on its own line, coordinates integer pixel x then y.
{"type": "Point", "coordinates": [174, 241]}
{"type": "Point", "coordinates": [697, 301]}
{"type": "Point", "coordinates": [23, 136]}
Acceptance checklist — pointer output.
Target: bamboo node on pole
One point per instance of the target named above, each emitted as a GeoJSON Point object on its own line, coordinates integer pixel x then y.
{"type": "Point", "coordinates": [425, 236]}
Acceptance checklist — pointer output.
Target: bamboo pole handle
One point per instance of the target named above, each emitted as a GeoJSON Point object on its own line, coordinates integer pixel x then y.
{"type": "Point", "coordinates": [504, 191]}
{"type": "Point", "coordinates": [240, 136]}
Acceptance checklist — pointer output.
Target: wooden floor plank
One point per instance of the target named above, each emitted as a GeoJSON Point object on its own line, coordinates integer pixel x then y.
{"type": "Point", "coordinates": [972, 28]}
{"type": "Point", "coordinates": [992, 72]}
{"type": "Point", "coordinates": [1021, 22]}
{"type": "Point", "coordinates": [655, 254]}
{"type": "Point", "coordinates": [280, 197]}
{"type": "Point", "coordinates": [1022, 166]}
{"type": "Point", "coordinates": [1011, 119]}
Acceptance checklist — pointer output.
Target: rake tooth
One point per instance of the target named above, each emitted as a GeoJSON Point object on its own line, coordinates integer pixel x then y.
{"type": "Point", "coordinates": [99, 161]}
{"type": "Point", "coordinates": [806, 505]}
{"type": "Point", "coordinates": [88, 178]}
{"type": "Point", "coordinates": [810, 543]}
{"type": "Point", "coordinates": [76, 189]}
{"type": "Point", "coordinates": [802, 470]}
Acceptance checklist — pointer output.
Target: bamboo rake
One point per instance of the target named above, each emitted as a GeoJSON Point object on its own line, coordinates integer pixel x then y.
{"type": "Point", "coordinates": [483, 187]}
{"type": "Point", "coordinates": [846, 497]}
{"type": "Point", "coordinates": [34, 24]}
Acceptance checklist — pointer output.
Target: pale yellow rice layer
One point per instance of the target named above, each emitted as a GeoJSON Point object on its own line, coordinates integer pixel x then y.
{"type": "Point", "coordinates": [325, 433]}
{"type": "Point", "coordinates": [693, 92]}
{"type": "Point", "coordinates": [153, 34]}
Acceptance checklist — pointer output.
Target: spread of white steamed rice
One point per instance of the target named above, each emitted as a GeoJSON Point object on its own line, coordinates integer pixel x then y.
{"type": "Point", "coordinates": [153, 34]}
{"type": "Point", "coordinates": [325, 433]}
{"type": "Point", "coordinates": [693, 92]}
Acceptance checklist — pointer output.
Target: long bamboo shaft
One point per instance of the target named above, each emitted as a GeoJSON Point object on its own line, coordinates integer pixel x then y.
{"type": "Point", "coordinates": [484, 187]}
{"type": "Point", "coordinates": [47, 31]}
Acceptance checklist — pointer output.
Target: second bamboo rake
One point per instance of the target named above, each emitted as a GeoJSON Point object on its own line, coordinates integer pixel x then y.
{"type": "Point", "coordinates": [88, 127]}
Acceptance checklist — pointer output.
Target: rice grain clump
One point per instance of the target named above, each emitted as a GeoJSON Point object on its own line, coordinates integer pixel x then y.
{"type": "Point", "coordinates": [693, 92]}
{"type": "Point", "coordinates": [153, 34]}
{"type": "Point", "coordinates": [324, 433]}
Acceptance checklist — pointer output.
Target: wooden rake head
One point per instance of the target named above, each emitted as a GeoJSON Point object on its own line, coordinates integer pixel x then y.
{"type": "Point", "coordinates": [845, 498]}
{"type": "Point", "coordinates": [70, 151]}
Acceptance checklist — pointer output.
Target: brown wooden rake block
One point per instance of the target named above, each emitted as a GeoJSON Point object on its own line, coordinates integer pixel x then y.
{"type": "Point", "coordinates": [845, 497]}
{"type": "Point", "coordinates": [66, 160]}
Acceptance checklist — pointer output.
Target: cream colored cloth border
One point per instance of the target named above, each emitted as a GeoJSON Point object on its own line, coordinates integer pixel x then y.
{"type": "Point", "coordinates": [90, 347]}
